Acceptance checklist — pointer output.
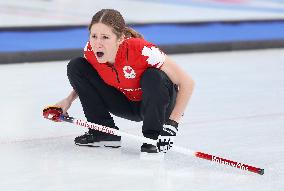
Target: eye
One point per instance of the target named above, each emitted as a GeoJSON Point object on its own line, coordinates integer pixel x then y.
{"type": "Point", "coordinates": [105, 37]}
{"type": "Point", "coordinates": [94, 36]}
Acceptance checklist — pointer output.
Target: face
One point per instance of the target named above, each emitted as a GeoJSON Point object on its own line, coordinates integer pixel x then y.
{"type": "Point", "coordinates": [104, 42]}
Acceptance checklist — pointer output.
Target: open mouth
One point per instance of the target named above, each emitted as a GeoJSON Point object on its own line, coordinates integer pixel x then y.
{"type": "Point", "coordinates": [100, 54]}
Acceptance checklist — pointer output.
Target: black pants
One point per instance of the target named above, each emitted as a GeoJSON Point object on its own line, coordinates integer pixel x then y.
{"type": "Point", "coordinates": [99, 99]}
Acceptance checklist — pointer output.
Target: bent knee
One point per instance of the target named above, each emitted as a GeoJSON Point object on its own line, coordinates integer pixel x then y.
{"type": "Point", "coordinates": [75, 65]}
{"type": "Point", "coordinates": [153, 77]}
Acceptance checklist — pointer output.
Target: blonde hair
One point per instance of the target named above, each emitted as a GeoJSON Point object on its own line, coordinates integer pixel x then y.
{"type": "Point", "coordinates": [115, 20]}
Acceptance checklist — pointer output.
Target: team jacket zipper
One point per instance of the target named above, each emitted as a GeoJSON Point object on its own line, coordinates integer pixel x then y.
{"type": "Point", "coordinates": [113, 69]}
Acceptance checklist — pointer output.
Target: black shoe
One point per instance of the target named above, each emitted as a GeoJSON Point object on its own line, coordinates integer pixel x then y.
{"type": "Point", "coordinates": [98, 139]}
{"type": "Point", "coordinates": [148, 148]}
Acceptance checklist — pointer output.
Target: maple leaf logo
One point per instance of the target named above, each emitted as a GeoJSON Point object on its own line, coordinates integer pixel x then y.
{"type": "Point", "coordinates": [129, 72]}
{"type": "Point", "coordinates": [155, 56]}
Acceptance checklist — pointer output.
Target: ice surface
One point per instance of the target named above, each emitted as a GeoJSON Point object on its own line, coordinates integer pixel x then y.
{"type": "Point", "coordinates": [236, 112]}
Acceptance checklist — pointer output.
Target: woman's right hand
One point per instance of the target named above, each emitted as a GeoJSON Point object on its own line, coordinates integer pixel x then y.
{"type": "Point", "coordinates": [64, 104]}
{"type": "Point", "coordinates": [54, 112]}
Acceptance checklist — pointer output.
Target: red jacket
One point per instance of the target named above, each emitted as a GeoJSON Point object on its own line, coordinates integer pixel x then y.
{"type": "Point", "coordinates": [133, 57]}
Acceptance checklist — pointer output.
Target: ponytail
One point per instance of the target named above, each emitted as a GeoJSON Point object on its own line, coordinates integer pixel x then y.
{"type": "Point", "coordinates": [130, 32]}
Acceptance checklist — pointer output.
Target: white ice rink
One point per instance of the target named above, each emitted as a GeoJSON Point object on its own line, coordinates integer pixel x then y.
{"type": "Point", "coordinates": [236, 112]}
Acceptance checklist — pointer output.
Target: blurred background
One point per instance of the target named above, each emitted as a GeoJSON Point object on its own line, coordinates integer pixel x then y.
{"type": "Point", "coordinates": [45, 30]}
